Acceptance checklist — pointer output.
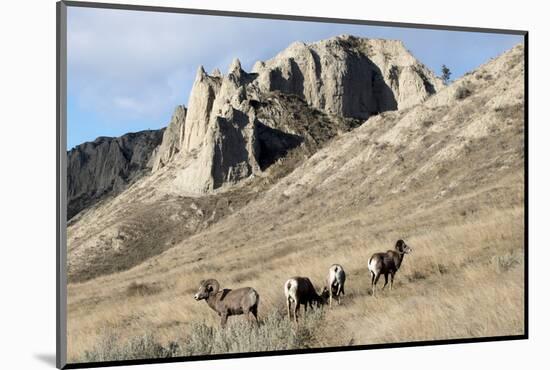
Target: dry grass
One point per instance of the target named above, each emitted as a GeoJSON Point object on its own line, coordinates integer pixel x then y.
{"type": "Point", "coordinates": [271, 334]}
{"type": "Point", "coordinates": [463, 280]}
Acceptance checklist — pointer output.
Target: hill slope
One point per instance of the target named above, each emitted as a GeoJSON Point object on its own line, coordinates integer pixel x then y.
{"type": "Point", "coordinates": [153, 214]}
{"type": "Point", "coordinates": [447, 175]}
{"type": "Point", "coordinates": [241, 133]}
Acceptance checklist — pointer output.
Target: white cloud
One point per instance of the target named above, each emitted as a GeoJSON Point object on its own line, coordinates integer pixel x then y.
{"type": "Point", "coordinates": [128, 63]}
{"type": "Point", "coordinates": [134, 65]}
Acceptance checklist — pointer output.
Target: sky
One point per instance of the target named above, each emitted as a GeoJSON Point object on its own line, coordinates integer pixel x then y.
{"type": "Point", "coordinates": [127, 70]}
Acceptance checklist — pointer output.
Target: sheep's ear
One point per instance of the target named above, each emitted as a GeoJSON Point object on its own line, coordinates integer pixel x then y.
{"type": "Point", "coordinates": [209, 288]}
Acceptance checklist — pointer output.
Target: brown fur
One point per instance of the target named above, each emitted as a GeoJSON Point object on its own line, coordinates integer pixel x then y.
{"type": "Point", "coordinates": [305, 295]}
{"type": "Point", "coordinates": [227, 302]}
{"type": "Point", "coordinates": [387, 264]}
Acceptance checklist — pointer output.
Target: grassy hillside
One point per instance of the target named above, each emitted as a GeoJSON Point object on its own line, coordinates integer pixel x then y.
{"type": "Point", "coordinates": [447, 176]}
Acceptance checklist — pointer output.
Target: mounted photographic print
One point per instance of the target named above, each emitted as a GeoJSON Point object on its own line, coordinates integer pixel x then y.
{"type": "Point", "coordinates": [235, 184]}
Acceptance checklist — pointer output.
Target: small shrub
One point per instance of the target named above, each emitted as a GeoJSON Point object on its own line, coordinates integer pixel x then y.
{"type": "Point", "coordinates": [142, 289]}
{"type": "Point", "coordinates": [111, 348]}
{"type": "Point", "coordinates": [275, 332]}
{"type": "Point", "coordinates": [462, 92]}
{"type": "Point", "coordinates": [427, 123]}
{"type": "Point", "coordinates": [417, 275]}
{"type": "Point", "coordinates": [506, 262]}
{"type": "Point", "coordinates": [442, 268]}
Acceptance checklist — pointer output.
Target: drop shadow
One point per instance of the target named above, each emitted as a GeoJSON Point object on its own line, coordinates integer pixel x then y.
{"type": "Point", "coordinates": [46, 358]}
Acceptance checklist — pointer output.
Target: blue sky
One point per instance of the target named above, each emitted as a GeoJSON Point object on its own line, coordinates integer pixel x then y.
{"type": "Point", "coordinates": [127, 70]}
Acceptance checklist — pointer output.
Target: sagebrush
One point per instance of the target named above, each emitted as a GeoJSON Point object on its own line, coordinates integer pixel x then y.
{"type": "Point", "coordinates": [274, 332]}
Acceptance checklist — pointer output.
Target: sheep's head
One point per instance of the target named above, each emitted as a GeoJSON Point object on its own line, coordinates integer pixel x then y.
{"type": "Point", "coordinates": [402, 248]}
{"type": "Point", "coordinates": [207, 288]}
{"type": "Point", "coordinates": [325, 294]}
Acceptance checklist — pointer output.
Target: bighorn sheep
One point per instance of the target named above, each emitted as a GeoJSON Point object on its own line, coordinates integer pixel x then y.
{"type": "Point", "coordinates": [335, 282]}
{"type": "Point", "coordinates": [228, 302]}
{"type": "Point", "coordinates": [301, 291]}
{"type": "Point", "coordinates": [387, 263]}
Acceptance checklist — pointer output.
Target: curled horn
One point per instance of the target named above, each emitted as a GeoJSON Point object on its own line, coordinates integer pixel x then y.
{"type": "Point", "coordinates": [212, 283]}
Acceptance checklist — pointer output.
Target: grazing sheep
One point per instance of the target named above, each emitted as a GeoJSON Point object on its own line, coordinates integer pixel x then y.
{"type": "Point", "coordinates": [228, 302]}
{"type": "Point", "coordinates": [387, 263]}
{"type": "Point", "coordinates": [301, 291]}
{"type": "Point", "coordinates": [335, 282]}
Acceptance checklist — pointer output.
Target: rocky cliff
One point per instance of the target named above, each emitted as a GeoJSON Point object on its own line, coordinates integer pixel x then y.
{"type": "Point", "coordinates": [106, 166]}
{"type": "Point", "coordinates": [239, 123]}
{"type": "Point", "coordinates": [224, 139]}
{"type": "Point", "coordinates": [172, 140]}
{"type": "Point", "coordinates": [349, 76]}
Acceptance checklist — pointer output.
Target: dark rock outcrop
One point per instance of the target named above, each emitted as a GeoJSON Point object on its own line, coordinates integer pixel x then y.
{"type": "Point", "coordinates": [106, 166]}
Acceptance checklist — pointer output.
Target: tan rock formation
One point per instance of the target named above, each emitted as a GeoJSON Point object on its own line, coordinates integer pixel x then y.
{"type": "Point", "coordinates": [172, 139]}
{"type": "Point", "coordinates": [350, 76]}
{"type": "Point", "coordinates": [201, 100]}
{"type": "Point", "coordinates": [343, 76]}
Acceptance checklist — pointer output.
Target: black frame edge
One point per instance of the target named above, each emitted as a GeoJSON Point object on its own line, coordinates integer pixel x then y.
{"type": "Point", "coordinates": [526, 183]}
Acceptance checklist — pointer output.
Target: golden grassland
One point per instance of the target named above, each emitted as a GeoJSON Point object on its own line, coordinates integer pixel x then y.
{"type": "Point", "coordinates": [463, 280]}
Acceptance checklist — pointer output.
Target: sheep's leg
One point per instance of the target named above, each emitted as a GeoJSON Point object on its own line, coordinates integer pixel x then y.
{"type": "Point", "coordinates": [374, 282]}
{"type": "Point", "coordinates": [330, 297]}
{"type": "Point", "coordinates": [224, 319]}
{"type": "Point", "coordinates": [288, 303]}
{"type": "Point", "coordinates": [391, 281]}
{"type": "Point", "coordinates": [254, 312]}
{"type": "Point", "coordinates": [338, 292]}
{"type": "Point", "coordinates": [246, 314]}
{"type": "Point", "coordinates": [385, 280]}
{"type": "Point", "coordinates": [296, 308]}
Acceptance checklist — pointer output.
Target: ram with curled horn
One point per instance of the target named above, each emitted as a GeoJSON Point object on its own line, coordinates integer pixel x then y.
{"type": "Point", "coordinates": [387, 263]}
{"type": "Point", "coordinates": [228, 302]}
